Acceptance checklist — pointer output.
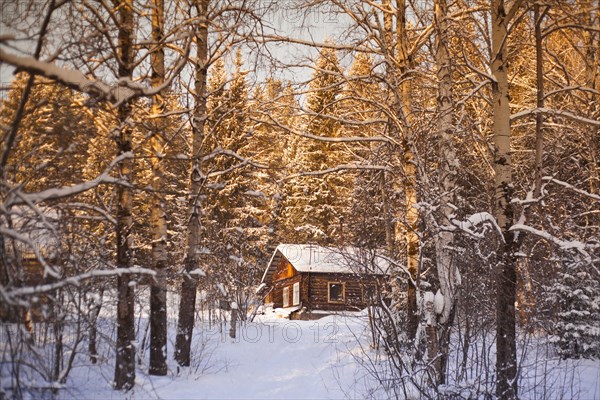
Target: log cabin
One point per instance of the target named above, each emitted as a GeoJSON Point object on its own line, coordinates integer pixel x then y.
{"type": "Point", "coordinates": [309, 279]}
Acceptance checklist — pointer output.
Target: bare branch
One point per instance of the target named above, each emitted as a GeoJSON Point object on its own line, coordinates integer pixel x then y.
{"type": "Point", "coordinates": [555, 113]}
{"type": "Point", "coordinates": [571, 187]}
{"type": "Point", "coordinates": [10, 296]}
{"type": "Point", "coordinates": [123, 91]}
{"type": "Point", "coordinates": [341, 168]}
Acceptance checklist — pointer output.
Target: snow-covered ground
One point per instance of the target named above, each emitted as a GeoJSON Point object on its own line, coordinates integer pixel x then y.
{"type": "Point", "coordinates": [272, 358]}
{"type": "Point", "coordinates": [329, 358]}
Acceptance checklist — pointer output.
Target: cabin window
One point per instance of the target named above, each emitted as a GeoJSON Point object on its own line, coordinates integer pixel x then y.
{"type": "Point", "coordinates": [286, 296]}
{"type": "Point", "coordinates": [296, 299]}
{"type": "Point", "coordinates": [335, 292]}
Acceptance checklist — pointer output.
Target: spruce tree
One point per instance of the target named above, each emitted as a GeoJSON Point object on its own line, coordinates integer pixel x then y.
{"type": "Point", "coordinates": [51, 145]}
{"type": "Point", "coordinates": [314, 205]}
{"type": "Point", "coordinates": [367, 215]}
{"type": "Point", "coordinates": [574, 299]}
{"type": "Point", "coordinates": [236, 212]}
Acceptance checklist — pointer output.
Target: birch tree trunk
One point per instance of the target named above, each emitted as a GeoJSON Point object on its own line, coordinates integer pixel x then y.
{"type": "Point", "coordinates": [506, 352]}
{"type": "Point", "coordinates": [95, 308]}
{"type": "Point", "coordinates": [158, 290]}
{"type": "Point", "coordinates": [447, 270]}
{"type": "Point", "coordinates": [187, 303]}
{"type": "Point", "coordinates": [125, 357]}
{"type": "Point", "coordinates": [396, 46]}
{"type": "Point", "coordinates": [411, 236]}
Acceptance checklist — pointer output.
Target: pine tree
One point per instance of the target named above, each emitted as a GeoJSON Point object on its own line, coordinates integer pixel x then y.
{"type": "Point", "coordinates": [314, 206]}
{"type": "Point", "coordinates": [236, 213]}
{"type": "Point", "coordinates": [273, 113]}
{"type": "Point", "coordinates": [367, 216]}
{"type": "Point", "coordinates": [51, 145]}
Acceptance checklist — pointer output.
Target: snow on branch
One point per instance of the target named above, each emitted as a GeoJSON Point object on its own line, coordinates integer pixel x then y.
{"type": "Point", "coordinates": [572, 88]}
{"type": "Point", "coordinates": [563, 244]}
{"type": "Point", "coordinates": [571, 187]}
{"type": "Point", "coordinates": [342, 139]}
{"type": "Point", "coordinates": [20, 198]}
{"type": "Point", "coordinates": [471, 223]}
{"type": "Point", "coordinates": [12, 295]}
{"type": "Point", "coordinates": [123, 91]}
{"type": "Point", "coordinates": [399, 265]}
{"type": "Point", "coordinates": [105, 215]}
{"type": "Point", "coordinates": [222, 152]}
{"type": "Point", "coordinates": [556, 113]}
{"type": "Point", "coordinates": [265, 39]}
{"type": "Point", "coordinates": [243, 162]}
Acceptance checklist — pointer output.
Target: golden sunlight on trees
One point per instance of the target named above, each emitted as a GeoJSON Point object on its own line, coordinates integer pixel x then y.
{"type": "Point", "coordinates": [156, 157]}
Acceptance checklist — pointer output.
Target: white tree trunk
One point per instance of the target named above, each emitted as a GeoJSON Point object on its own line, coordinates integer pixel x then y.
{"type": "Point", "coordinates": [506, 355]}
{"type": "Point", "coordinates": [447, 270]}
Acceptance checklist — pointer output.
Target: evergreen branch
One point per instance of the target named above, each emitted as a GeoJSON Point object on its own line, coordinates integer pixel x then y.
{"type": "Point", "coordinates": [124, 90]}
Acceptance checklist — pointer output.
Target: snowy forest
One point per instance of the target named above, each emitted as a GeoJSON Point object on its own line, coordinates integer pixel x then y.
{"type": "Point", "coordinates": [153, 154]}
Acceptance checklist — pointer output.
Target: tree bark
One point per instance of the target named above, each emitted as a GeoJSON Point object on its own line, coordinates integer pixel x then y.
{"type": "Point", "coordinates": [506, 352]}
{"type": "Point", "coordinates": [399, 69]}
{"type": "Point", "coordinates": [592, 72]}
{"type": "Point", "coordinates": [387, 216]}
{"type": "Point", "coordinates": [187, 304]}
{"type": "Point", "coordinates": [411, 236]}
{"type": "Point", "coordinates": [233, 326]}
{"type": "Point", "coordinates": [95, 308]}
{"type": "Point", "coordinates": [158, 289]}
{"type": "Point", "coordinates": [539, 117]}
{"type": "Point", "coordinates": [447, 271]}
{"type": "Point", "coordinates": [125, 352]}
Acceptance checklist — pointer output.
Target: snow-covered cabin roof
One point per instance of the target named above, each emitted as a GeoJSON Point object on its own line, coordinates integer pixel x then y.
{"type": "Point", "coordinates": [319, 259]}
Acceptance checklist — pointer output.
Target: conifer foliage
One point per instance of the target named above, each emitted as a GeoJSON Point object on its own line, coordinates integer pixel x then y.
{"type": "Point", "coordinates": [575, 300]}
{"type": "Point", "coordinates": [236, 214]}
{"type": "Point", "coordinates": [314, 206]}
